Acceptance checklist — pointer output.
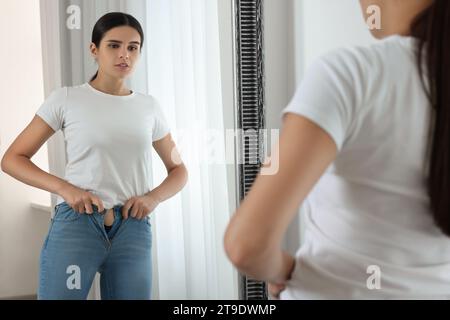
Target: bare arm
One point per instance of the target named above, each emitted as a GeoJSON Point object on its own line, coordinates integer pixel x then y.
{"type": "Point", "coordinates": [17, 163]}
{"type": "Point", "coordinates": [176, 170]}
{"type": "Point", "coordinates": [254, 235]}
{"type": "Point", "coordinates": [17, 159]}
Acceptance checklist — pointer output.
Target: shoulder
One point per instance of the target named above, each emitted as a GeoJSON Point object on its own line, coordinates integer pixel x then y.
{"type": "Point", "coordinates": [149, 100]}
{"type": "Point", "coordinates": [56, 99]}
{"type": "Point", "coordinates": [348, 64]}
{"type": "Point", "coordinates": [58, 93]}
{"type": "Point", "coordinates": [359, 63]}
{"type": "Point", "coordinates": [355, 74]}
{"type": "Point", "coordinates": [145, 97]}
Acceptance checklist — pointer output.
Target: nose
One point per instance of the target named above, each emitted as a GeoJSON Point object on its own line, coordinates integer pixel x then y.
{"type": "Point", "coordinates": [124, 54]}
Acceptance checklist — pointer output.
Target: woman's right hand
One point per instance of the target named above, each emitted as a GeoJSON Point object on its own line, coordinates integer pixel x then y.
{"type": "Point", "coordinates": [80, 200]}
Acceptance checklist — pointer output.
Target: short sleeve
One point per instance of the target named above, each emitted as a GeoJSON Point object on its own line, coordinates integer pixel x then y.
{"type": "Point", "coordinates": [161, 127]}
{"type": "Point", "coordinates": [52, 110]}
{"type": "Point", "coordinates": [326, 96]}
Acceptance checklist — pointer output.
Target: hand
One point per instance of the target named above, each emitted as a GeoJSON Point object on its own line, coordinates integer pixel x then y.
{"type": "Point", "coordinates": [275, 290]}
{"type": "Point", "coordinates": [141, 206]}
{"type": "Point", "coordinates": [80, 200]}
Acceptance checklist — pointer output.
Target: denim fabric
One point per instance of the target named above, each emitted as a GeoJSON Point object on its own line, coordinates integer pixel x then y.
{"type": "Point", "coordinates": [77, 246]}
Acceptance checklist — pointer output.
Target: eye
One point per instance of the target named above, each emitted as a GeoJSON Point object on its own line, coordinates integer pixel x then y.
{"type": "Point", "coordinates": [113, 46]}
{"type": "Point", "coordinates": [132, 48]}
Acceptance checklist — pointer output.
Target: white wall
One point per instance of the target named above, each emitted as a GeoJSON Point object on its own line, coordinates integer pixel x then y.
{"type": "Point", "coordinates": [278, 62]}
{"type": "Point", "coordinates": [296, 32]}
{"type": "Point", "coordinates": [22, 229]}
{"type": "Point", "coordinates": [328, 24]}
{"type": "Point", "coordinates": [279, 70]}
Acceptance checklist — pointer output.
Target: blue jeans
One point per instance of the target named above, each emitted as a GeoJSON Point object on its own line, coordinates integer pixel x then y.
{"type": "Point", "coordinates": [77, 246]}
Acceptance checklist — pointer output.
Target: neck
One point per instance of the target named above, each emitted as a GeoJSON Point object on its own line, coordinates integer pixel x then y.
{"type": "Point", "coordinates": [113, 86]}
{"type": "Point", "coordinates": [403, 14]}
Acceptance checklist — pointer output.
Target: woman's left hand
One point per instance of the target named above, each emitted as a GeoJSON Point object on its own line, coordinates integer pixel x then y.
{"type": "Point", "coordinates": [288, 265]}
{"type": "Point", "coordinates": [141, 206]}
{"type": "Point", "coordinates": [275, 290]}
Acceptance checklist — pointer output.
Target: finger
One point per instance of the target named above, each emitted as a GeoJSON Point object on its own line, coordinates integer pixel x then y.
{"type": "Point", "coordinates": [88, 206]}
{"type": "Point", "coordinates": [275, 295]}
{"type": "Point", "coordinates": [141, 214]}
{"type": "Point", "coordinates": [138, 213]}
{"type": "Point", "coordinates": [80, 208]}
{"type": "Point", "coordinates": [280, 287]}
{"type": "Point", "coordinates": [95, 200]}
{"type": "Point", "coordinates": [100, 205]}
{"type": "Point", "coordinates": [144, 213]}
{"type": "Point", "coordinates": [125, 209]}
{"type": "Point", "coordinates": [275, 289]}
{"type": "Point", "coordinates": [134, 210]}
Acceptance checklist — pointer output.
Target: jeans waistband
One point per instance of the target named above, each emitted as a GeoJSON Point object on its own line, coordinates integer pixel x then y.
{"type": "Point", "coordinates": [117, 209]}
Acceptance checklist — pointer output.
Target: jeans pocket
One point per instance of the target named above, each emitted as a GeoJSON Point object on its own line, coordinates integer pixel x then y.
{"type": "Point", "coordinates": [65, 213]}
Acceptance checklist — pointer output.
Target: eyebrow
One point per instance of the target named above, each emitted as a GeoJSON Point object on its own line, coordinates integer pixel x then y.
{"type": "Point", "coordinates": [117, 41]}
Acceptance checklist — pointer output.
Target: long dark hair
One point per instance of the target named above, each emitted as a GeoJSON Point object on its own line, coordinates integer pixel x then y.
{"type": "Point", "coordinates": [432, 28]}
{"type": "Point", "coordinates": [112, 20]}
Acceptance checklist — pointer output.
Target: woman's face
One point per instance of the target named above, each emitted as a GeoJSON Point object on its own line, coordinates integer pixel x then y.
{"type": "Point", "coordinates": [120, 45]}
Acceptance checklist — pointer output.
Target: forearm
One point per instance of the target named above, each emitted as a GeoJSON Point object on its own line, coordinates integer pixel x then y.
{"type": "Point", "coordinates": [274, 267]}
{"type": "Point", "coordinates": [174, 182]}
{"type": "Point", "coordinates": [251, 249]}
{"type": "Point", "coordinates": [24, 170]}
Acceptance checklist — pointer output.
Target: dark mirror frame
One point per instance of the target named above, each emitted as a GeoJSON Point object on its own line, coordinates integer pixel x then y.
{"type": "Point", "coordinates": [249, 110]}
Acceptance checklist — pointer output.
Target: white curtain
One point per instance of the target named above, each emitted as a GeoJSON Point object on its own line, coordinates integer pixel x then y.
{"type": "Point", "coordinates": [180, 66]}
{"type": "Point", "coordinates": [184, 74]}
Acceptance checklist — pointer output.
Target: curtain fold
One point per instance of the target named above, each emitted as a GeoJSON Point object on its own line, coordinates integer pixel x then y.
{"type": "Point", "coordinates": [184, 75]}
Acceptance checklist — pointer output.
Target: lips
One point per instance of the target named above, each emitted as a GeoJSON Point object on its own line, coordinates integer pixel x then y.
{"type": "Point", "coordinates": [123, 65]}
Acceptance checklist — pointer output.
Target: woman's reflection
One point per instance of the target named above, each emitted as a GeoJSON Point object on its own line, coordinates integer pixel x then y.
{"type": "Point", "coordinates": [101, 222]}
{"type": "Point", "coordinates": [355, 140]}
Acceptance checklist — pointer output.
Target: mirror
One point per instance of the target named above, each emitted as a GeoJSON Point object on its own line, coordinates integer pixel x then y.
{"type": "Point", "coordinates": [182, 84]}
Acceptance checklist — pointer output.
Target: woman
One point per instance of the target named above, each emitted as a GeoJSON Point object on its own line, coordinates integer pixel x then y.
{"type": "Point", "coordinates": [354, 146]}
{"type": "Point", "coordinates": [101, 221]}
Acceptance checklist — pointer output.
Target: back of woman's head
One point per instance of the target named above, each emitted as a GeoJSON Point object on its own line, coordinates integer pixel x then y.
{"type": "Point", "coordinates": [112, 20]}
{"type": "Point", "coordinates": [432, 28]}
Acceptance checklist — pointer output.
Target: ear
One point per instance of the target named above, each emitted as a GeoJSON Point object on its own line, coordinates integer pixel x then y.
{"type": "Point", "coordinates": [94, 50]}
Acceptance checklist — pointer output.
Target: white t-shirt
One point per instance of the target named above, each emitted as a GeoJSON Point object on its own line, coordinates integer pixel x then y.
{"type": "Point", "coordinates": [108, 140]}
{"type": "Point", "coordinates": [368, 217]}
